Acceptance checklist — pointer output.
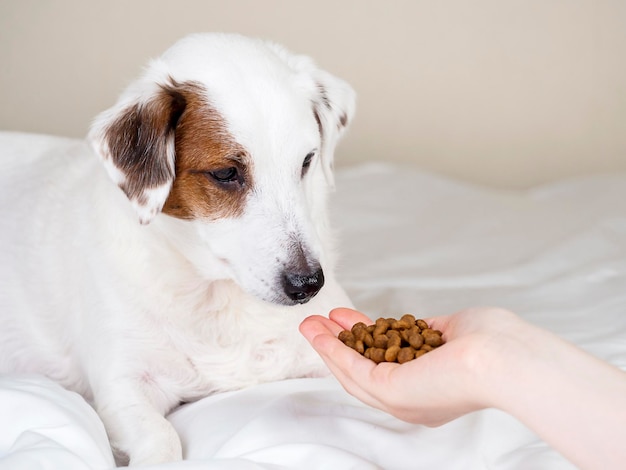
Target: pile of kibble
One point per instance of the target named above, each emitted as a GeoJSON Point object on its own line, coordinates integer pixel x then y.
{"type": "Point", "coordinates": [392, 340]}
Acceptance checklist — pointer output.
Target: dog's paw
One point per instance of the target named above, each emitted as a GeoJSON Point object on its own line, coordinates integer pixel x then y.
{"type": "Point", "coordinates": [161, 445]}
{"type": "Point", "coordinates": [139, 434]}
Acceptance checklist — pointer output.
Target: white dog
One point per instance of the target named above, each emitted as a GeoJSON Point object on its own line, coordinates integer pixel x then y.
{"type": "Point", "coordinates": [193, 278]}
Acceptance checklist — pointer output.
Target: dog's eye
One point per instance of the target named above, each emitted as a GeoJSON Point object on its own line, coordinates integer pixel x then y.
{"type": "Point", "coordinates": [307, 163]}
{"type": "Point", "coordinates": [226, 175]}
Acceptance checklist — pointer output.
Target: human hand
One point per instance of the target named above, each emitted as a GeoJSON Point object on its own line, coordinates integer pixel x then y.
{"type": "Point", "coordinates": [491, 358]}
{"type": "Point", "coordinates": [438, 387]}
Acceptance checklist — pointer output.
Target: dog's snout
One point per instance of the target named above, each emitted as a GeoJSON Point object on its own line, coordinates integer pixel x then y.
{"type": "Point", "coordinates": [302, 287]}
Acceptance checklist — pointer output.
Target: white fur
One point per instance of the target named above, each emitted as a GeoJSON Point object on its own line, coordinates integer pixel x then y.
{"type": "Point", "coordinates": [139, 317]}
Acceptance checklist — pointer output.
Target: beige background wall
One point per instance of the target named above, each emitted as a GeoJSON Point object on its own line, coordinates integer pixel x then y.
{"type": "Point", "coordinates": [509, 93]}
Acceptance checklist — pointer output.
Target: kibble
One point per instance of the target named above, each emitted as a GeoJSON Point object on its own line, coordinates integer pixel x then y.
{"type": "Point", "coordinates": [392, 340]}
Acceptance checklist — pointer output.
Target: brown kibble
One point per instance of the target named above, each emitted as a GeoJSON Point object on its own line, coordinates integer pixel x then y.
{"type": "Point", "coordinates": [359, 330]}
{"type": "Point", "coordinates": [401, 325]}
{"type": "Point", "coordinates": [419, 353]}
{"type": "Point", "coordinates": [432, 337]}
{"type": "Point", "coordinates": [346, 335]}
{"type": "Point", "coordinates": [391, 340]}
{"type": "Point", "coordinates": [394, 338]}
{"type": "Point", "coordinates": [368, 339]}
{"type": "Point", "coordinates": [381, 327]}
{"type": "Point", "coordinates": [377, 355]}
{"type": "Point", "coordinates": [416, 340]}
{"type": "Point", "coordinates": [347, 338]}
{"type": "Point", "coordinates": [391, 354]}
{"type": "Point", "coordinates": [404, 334]}
{"type": "Point", "coordinates": [381, 341]}
{"type": "Point", "coordinates": [406, 355]}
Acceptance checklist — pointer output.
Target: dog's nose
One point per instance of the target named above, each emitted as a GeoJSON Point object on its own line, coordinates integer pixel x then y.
{"type": "Point", "coordinates": [302, 287]}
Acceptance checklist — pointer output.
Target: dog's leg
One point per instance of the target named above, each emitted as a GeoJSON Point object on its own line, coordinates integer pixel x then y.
{"type": "Point", "coordinates": [136, 426]}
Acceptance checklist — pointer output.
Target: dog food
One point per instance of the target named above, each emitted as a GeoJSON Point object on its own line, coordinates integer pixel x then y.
{"type": "Point", "coordinates": [392, 340]}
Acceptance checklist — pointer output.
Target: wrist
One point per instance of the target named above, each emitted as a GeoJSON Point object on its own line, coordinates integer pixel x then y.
{"type": "Point", "coordinates": [511, 359]}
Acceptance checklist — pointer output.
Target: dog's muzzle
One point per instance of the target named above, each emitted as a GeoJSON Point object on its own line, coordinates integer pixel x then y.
{"type": "Point", "coordinates": [302, 287]}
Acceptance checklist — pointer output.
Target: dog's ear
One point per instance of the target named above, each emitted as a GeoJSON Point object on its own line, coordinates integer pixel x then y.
{"type": "Point", "coordinates": [333, 100]}
{"type": "Point", "coordinates": [136, 141]}
{"type": "Point", "coordinates": [333, 107]}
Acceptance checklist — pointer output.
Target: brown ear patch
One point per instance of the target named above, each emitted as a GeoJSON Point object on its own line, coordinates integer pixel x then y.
{"type": "Point", "coordinates": [203, 147]}
{"type": "Point", "coordinates": [138, 142]}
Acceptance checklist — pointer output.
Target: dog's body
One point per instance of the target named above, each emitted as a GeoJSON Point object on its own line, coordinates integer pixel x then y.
{"type": "Point", "coordinates": [224, 149]}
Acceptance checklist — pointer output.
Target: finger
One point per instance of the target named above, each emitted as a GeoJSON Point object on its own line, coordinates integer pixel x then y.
{"type": "Point", "coordinates": [347, 317]}
{"type": "Point", "coordinates": [345, 362]}
{"type": "Point", "coordinates": [348, 366]}
{"type": "Point", "coordinates": [317, 324]}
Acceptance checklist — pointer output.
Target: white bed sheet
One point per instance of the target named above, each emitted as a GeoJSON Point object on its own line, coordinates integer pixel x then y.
{"type": "Point", "coordinates": [410, 242]}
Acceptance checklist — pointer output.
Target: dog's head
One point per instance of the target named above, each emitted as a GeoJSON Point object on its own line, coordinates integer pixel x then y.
{"type": "Point", "coordinates": [227, 143]}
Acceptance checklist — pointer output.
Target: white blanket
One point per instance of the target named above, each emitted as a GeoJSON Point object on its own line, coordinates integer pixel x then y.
{"type": "Point", "coordinates": [410, 242]}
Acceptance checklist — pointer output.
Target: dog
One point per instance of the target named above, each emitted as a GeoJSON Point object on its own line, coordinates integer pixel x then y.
{"type": "Point", "coordinates": [173, 253]}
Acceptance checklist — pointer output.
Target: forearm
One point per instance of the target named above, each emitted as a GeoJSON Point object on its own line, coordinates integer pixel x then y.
{"type": "Point", "coordinates": [572, 400]}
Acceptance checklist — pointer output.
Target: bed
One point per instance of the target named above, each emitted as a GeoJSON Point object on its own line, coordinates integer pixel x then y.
{"type": "Point", "coordinates": [410, 241]}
